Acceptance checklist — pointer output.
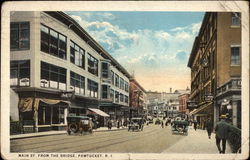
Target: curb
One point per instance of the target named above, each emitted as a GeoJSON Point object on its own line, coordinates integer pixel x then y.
{"type": "Point", "coordinates": [60, 133]}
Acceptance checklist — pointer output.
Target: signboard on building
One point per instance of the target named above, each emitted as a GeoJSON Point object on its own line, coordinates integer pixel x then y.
{"type": "Point", "coordinates": [191, 104]}
{"type": "Point", "coordinates": [209, 97]}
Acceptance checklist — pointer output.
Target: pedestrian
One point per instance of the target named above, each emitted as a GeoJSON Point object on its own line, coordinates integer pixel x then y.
{"type": "Point", "coordinates": [209, 126]}
{"type": "Point", "coordinates": [195, 125]}
{"type": "Point", "coordinates": [109, 124]}
{"type": "Point", "coordinates": [162, 124]}
{"type": "Point", "coordinates": [221, 131]}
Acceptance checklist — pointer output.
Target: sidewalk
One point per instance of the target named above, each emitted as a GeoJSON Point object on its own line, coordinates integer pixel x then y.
{"type": "Point", "coordinates": [48, 133]}
{"type": "Point", "coordinates": [196, 142]}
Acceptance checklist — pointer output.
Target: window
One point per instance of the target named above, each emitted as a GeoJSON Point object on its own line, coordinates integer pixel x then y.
{"type": "Point", "coordinates": [126, 99]}
{"type": "Point", "coordinates": [121, 98]}
{"type": "Point", "coordinates": [235, 55]}
{"type": "Point", "coordinates": [235, 19]}
{"type": "Point", "coordinates": [77, 83]}
{"type": "Point", "coordinates": [116, 97]}
{"type": "Point", "coordinates": [20, 73]}
{"type": "Point", "coordinates": [92, 65]}
{"type": "Point", "coordinates": [116, 80]}
{"type": "Point", "coordinates": [112, 77]}
{"type": "Point", "coordinates": [77, 55]}
{"type": "Point", "coordinates": [53, 42]}
{"type": "Point", "coordinates": [126, 86]}
{"type": "Point", "coordinates": [19, 35]}
{"type": "Point", "coordinates": [112, 94]}
{"type": "Point", "coordinates": [53, 76]}
{"type": "Point", "coordinates": [105, 70]}
{"type": "Point", "coordinates": [92, 88]}
{"type": "Point", "coordinates": [105, 89]}
{"type": "Point", "coordinates": [122, 83]}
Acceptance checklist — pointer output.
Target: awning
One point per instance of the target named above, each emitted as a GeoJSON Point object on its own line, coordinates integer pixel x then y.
{"type": "Point", "coordinates": [25, 104]}
{"type": "Point", "coordinates": [195, 111]}
{"type": "Point", "coordinates": [98, 111]}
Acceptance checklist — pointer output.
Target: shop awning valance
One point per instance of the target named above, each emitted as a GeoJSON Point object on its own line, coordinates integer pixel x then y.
{"type": "Point", "coordinates": [25, 104]}
{"type": "Point", "coordinates": [201, 108]}
{"type": "Point", "coordinates": [98, 111]}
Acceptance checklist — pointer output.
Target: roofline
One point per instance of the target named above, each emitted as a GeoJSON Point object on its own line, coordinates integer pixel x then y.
{"type": "Point", "coordinates": [67, 20]}
{"type": "Point", "coordinates": [133, 79]}
{"type": "Point", "coordinates": [197, 39]}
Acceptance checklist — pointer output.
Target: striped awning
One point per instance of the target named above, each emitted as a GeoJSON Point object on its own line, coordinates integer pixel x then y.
{"type": "Point", "coordinates": [200, 109]}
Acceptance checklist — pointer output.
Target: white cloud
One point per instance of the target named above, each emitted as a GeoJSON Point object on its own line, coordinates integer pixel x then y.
{"type": "Point", "coordinates": [183, 35]}
{"type": "Point", "coordinates": [104, 15]}
{"type": "Point", "coordinates": [144, 51]}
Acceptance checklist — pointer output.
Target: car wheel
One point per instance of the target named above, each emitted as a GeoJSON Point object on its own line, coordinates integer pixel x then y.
{"type": "Point", "coordinates": [73, 127]}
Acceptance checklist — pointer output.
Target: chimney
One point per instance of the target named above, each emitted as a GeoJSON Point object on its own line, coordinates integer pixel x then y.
{"type": "Point", "coordinates": [170, 90]}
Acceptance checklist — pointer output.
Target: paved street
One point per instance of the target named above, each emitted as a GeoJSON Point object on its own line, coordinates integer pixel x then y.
{"type": "Point", "coordinates": [152, 139]}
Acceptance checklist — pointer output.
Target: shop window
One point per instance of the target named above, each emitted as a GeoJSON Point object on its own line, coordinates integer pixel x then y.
{"type": "Point", "coordinates": [122, 83]}
{"type": "Point", "coordinates": [126, 99]}
{"type": "Point", "coordinates": [53, 42]}
{"type": "Point", "coordinates": [126, 86]}
{"type": "Point", "coordinates": [53, 76]}
{"type": "Point", "coordinates": [121, 98]}
{"type": "Point", "coordinates": [104, 91]}
{"type": "Point", "coordinates": [77, 55]}
{"type": "Point", "coordinates": [112, 94]}
{"type": "Point", "coordinates": [92, 65]}
{"type": "Point", "coordinates": [112, 77]}
{"type": "Point", "coordinates": [20, 73]}
{"type": "Point", "coordinates": [105, 70]}
{"type": "Point", "coordinates": [116, 80]}
{"type": "Point", "coordinates": [236, 19]}
{"type": "Point", "coordinates": [19, 35]}
{"type": "Point", "coordinates": [116, 97]}
{"type": "Point", "coordinates": [77, 83]}
{"type": "Point", "coordinates": [235, 55]}
{"type": "Point", "coordinates": [92, 89]}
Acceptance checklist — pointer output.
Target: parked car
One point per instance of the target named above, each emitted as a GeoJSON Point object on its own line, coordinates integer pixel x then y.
{"type": "Point", "coordinates": [79, 124]}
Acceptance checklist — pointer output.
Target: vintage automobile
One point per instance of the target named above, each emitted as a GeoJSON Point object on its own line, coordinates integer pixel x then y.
{"type": "Point", "coordinates": [150, 119]}
{"type": "Point", "coordinates": [157, 121]}
{"type": "Point", "coordinates": [136, 124]}
{"type": "Point", "coordinates": [180, 126]}
{"type": "Point", "coordinates": [79, 124]}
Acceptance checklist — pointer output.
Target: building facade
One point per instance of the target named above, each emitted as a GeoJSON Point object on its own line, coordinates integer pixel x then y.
{"type": "Point", "coordinates": [57, 69]}
{"type": "Point", "coordinates": [215, 63]}
{"type": "Point", "coordinates": [138, 98]}
{"type": "Point", "coordinates": [183, 99]}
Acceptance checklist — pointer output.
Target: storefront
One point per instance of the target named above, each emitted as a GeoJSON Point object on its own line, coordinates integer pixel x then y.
{"type": "Point", "coordinates": [42, 114]}
{"type": "Point", "coordinates": [202, 114]}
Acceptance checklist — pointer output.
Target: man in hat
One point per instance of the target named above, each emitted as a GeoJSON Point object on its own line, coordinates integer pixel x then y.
{"type": "Point", "coordinates": [221, 131]}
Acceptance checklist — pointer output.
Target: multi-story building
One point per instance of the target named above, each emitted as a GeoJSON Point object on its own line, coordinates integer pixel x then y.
{"type": "Point", "coordinates": [183, 99]}
{"type": "Point", "coordinates": [138, 98]}
{"type": "Point", "coordinates": [215, 63]}
{"type": "Point", "coordinates": [58, 69]}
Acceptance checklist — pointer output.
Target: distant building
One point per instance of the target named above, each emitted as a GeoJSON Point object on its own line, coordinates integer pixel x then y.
{"type": "Point", "coordinates": [215, 63]}
{"type": "Point", "coordinates": [183, 99]}
{"type": "Point", "coordinates": [138, 98]}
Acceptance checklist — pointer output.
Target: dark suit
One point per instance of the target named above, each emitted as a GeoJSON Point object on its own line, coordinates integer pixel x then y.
{"type": "Point", "coordinates": [221, 131]}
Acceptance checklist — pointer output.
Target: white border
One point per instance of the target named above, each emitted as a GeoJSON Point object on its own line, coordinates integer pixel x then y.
{"type": "Point", "coordinates": [222, 6]}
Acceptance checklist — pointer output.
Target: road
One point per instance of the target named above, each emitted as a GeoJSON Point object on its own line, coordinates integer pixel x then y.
{"type": "Point", "coordinates": [153, 139]}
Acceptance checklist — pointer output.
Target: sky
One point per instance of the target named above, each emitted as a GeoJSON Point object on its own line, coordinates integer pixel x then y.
{"type": "Point", "coordinates": [152, 46]}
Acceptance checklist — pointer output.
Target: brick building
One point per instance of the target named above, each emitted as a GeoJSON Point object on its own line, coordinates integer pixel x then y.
{"type": "Point", "coordinates": [215, 63]}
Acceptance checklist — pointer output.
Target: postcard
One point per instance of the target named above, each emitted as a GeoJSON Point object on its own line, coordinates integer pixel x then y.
{"type": "Point", "coordinates": [125, 80]}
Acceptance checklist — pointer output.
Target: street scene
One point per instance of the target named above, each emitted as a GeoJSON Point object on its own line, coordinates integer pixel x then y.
{"type": "Point", "coordinates": [117, 82]}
